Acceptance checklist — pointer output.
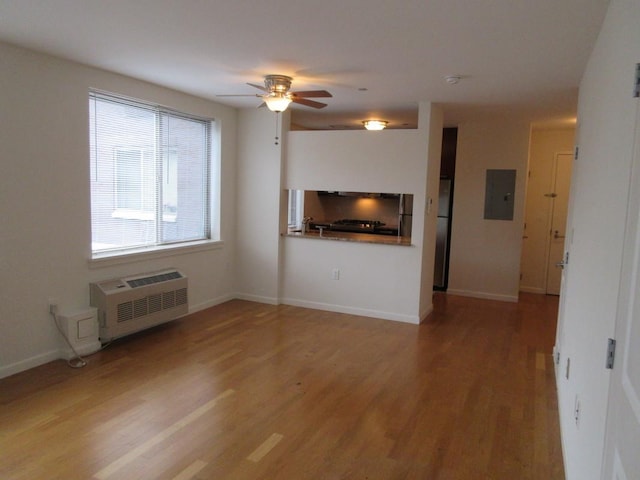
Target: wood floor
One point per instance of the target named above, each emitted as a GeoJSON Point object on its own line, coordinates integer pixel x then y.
{"type": "Point", "coordinates": [252, 391]}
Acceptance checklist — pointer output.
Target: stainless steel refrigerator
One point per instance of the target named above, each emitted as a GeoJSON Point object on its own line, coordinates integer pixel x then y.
{"type": "Point", "coordinates": [441, 270]}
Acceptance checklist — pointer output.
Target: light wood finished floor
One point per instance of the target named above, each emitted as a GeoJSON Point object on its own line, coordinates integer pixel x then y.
{"type": "Point", "coordinates": [261, 392]}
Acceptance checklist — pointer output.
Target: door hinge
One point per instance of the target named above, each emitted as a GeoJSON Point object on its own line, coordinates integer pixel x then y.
{"type": "Point", "coordinates": [636, 88]}
{"type": "Point", "coordinates": [611, 353]}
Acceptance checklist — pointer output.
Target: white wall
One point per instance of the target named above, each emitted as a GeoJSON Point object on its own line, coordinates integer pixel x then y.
{"type": "Point", "coordinates": [545, 145]}
{"type": "Point", "coordinates": [485, 254]}
{"type": "Point", "coordinates": [45, 236]}
{"type": "Point", "coordinates": [375, 280]}
{"type": "Point", "coordinates": [258, 205]}
{"type": "Point", "coordinates": [606, 117]}
{"type": "Point", "coordinates": [430, 120]}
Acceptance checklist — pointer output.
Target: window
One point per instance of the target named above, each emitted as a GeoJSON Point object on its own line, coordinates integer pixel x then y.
{"type": "Point", "coordinates": [150, 176]}
{"type": "Point", "coordinates": [128, 172]}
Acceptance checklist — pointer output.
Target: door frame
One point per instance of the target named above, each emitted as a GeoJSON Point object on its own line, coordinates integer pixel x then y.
{"type": "Point", "coordinates": [619, 460]}
{"type": "Point", "coordinates": [550, 210]}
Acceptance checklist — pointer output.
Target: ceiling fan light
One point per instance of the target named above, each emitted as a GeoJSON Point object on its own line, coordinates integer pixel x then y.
{"type": "Point", "coordinates": [375, 124]}
{"type": "Point", "coordinates": [277, 102]}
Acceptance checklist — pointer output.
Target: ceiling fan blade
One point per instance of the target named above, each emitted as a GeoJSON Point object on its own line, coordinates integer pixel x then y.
{"type": "Point", "coordinates": [240, 95]}
{"type": "Point", "coordinates": [259, 87]}
{"type": "Point", "coordinates": [312, 94]}
{"type": "Point", "coordinates": [308, 103]}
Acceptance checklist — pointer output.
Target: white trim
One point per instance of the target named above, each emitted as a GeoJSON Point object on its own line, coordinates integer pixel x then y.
{"type": "Point", "coordinates": [426, 312]}
{"type": "Point", "coordinates": [210, 303]}
{"type": "Point", "coordinates": [257, 298]}
{"type": "Point", "coordinates": [158, 251]}
{"type": "Point", "coordinates": [628, 312]}
{"type": "Point", "coordinates": [618, 468]}
{"type": "Point", "coordinates": [550, 212]}
{"type": "Point", "coordinates": [484, 295]}
{"type": "Point", "coordinates": [29, 363]}
{"type": "Point", "coordinates": [397, 317]}
{"type": "Point", "coordinates": [85, 349]}
{"type": "Point", "coordinates": [537, 290]}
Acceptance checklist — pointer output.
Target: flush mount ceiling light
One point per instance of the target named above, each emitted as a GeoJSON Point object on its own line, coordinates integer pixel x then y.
{"type": "Point", "coordinates": [375, 124]}
{"type": "Point", "coordinates": [453, 79]}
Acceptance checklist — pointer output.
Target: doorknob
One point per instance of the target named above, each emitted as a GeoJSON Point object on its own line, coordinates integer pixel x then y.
{"type": "Point", "coordinates": [561, 264]}
{"type": "Point", "coordinates": [556, 235]}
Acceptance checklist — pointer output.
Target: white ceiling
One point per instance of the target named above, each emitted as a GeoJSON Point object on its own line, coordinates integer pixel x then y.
{"type": "Point", "coordinates": [523, 57]}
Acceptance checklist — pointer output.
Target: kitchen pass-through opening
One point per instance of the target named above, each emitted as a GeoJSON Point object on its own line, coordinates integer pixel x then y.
{"type": "Point", "coordinates": [388, 214]}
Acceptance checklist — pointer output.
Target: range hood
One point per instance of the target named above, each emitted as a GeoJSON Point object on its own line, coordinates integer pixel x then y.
{"type": "Point", "coordinates": [336, 193]}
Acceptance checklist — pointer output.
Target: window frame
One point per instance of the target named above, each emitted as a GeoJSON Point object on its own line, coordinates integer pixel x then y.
{"type": "Point", "coordinates": [162, 153]}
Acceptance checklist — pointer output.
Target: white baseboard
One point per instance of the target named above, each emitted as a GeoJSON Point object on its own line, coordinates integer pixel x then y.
{"type": "Point", "coordinates": [537, 290]}
{"type": "Point", "coordinates": [28, 363]}
{"type": "Point", "coordinates": [364, 312]}
{"type": "Point", "coordinates": [399, 317]}
{"type": "Point", "coordinates": [91, 347]}
{"type": "Point", "coordinates": [210, 303]}
{"type": "Point", "coordinates": [83, 350]}
{"type": "Point", "coordinates": [426, 312]}
{"type": "Point", "coordinates": [257, 298]}
{"type": "Point", "coordinates": [484, 295]}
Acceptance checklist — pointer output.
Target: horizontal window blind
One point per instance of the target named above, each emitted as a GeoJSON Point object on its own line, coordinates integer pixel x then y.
{"type": "Point", "coordinates": [150, 182]}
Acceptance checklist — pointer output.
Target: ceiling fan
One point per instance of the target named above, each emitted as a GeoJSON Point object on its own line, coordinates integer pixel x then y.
{"type": "Point", "coordinates": [277, 96]}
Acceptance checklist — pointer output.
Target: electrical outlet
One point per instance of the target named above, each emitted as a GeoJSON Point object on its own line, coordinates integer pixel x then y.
{"type": "Point", "coordinates": [53, 305]}
{"type": "Point", "coordinates": [576, 411]}
{"type": "Point", "coordinates": [335, 274]}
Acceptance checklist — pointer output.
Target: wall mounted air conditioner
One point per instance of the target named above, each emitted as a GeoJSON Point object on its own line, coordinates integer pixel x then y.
{"type": "Point", "coordinates": [130, 304]}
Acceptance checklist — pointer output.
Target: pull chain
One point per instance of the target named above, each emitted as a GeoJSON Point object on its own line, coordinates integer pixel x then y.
{"type": "Point", "coordinates": [277, 113]}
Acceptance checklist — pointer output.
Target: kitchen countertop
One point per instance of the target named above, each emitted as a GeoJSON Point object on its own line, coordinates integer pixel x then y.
{"type": "Point", "coordinates": [353, 237]}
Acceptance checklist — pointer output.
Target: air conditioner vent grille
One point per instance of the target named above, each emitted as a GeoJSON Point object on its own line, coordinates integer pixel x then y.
{"type": "Point", "coordinates": [155, 303]}
{"type": "Point", "coordinates": [168, 300]}
{"type": "Point", "coordinates": [150, 280]}
{"type": "Point", "coordinates": [140, 308]}
{"type": "Point", "coordinates": [144, 306]}
{"type": "Point", "coordinates": [130, 304]}
{"type": "Point", "coordinates": [125, 311]}
{"type": "Point", "coordinates": [181, 296]}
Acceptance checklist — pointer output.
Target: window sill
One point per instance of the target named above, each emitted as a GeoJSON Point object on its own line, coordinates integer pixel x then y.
{"type": "Point", "coordinates": [118, 258]}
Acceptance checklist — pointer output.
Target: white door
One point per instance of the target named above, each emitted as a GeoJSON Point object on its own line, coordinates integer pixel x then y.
{"type": "Point", "coordinates": [560, 201]}
{"type": "Point", "coordinates": [622, 441]}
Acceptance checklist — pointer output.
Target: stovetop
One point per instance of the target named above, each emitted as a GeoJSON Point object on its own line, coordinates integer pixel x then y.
{"type": "Point", "coordinates": [358, 222]}
{"type": "Point", "coordinates": [356, 225]}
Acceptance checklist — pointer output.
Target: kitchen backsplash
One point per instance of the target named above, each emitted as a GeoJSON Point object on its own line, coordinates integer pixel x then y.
{"type": "Point", "coordinates": [385, 208]}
